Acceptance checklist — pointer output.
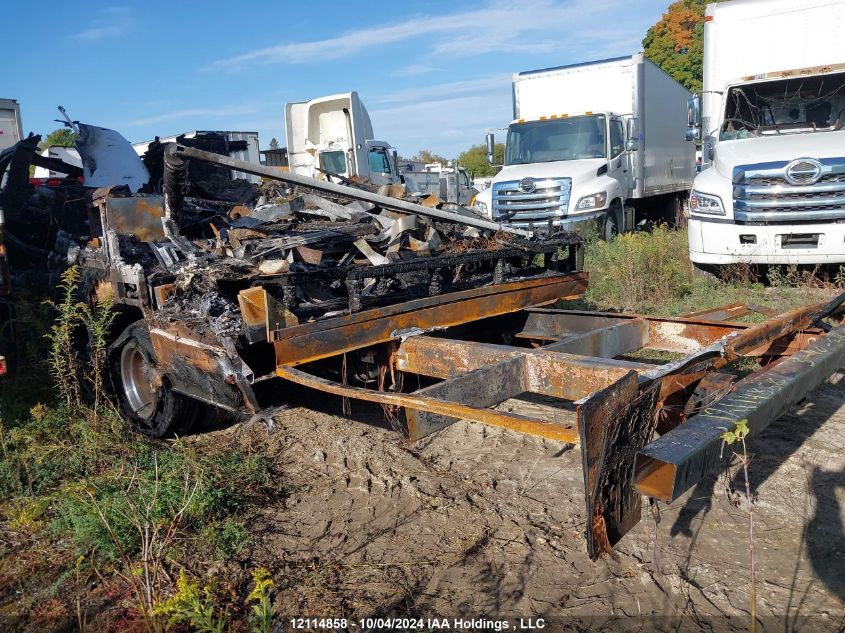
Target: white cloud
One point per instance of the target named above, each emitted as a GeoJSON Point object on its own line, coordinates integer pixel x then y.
{"type": "Point", "coordinates": [534, 26]}
{"type": "Point", "coordinates": [223, 112]}
{"type": "Point", "coordinates": [413, 70]}
{"type": "Point", "coordinates": [491, 84]}
{"type": "Point", "coordinates": [446, 118]}
{"type": "Point", "coordinates": [110, 22]}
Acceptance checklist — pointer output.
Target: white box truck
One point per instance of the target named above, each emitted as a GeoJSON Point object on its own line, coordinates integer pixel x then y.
{"type": "Point", "coordinates": [599, 141]}
{"type": "Point", "coordinates": [772, 117]}
{"type": "Point", "coordinates": [11, 128]}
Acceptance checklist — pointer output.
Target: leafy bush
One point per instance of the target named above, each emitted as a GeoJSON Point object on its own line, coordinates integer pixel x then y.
{"type": "Point", "coordinates": [639, 272]}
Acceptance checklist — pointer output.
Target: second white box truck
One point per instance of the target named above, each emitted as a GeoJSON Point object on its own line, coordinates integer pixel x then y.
{"type": "Point", "coordinates": [772, 120]}
{"type": "Point", "coordinates": [598, 141]}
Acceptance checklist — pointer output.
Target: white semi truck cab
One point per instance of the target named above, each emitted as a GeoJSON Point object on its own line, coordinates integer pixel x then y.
{"type": "Point", "coordinates": [597, 141]}
{"type": "Point", "coordinates": [334, 135]}
{"type": "Point", "coordinates": [771, 118]}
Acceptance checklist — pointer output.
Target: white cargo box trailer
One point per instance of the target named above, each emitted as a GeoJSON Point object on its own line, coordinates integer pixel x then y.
{"type": "Point", "coordinates": [598, 138]}
{"type": "Point", "coordinates": [250, 154]}
{"type": "Point", "coordinates": [11, 128]}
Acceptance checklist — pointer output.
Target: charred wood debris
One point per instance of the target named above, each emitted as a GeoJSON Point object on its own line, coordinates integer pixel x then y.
{"type": "Point", "coordinates": [206, 236]}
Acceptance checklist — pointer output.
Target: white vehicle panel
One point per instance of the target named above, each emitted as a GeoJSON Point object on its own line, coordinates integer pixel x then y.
{"type": "Point", "coordinates": [593, 87]}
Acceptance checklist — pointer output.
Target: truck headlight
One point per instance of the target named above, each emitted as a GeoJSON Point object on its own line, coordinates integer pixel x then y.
{"type": "Point", "coordinates": [593, 201]}
{"type": "Point", "coordinates": [705, 203]}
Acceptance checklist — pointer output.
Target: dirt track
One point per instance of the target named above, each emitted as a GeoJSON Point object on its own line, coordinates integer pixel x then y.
{"type": "Point", "coordinates": [477, 521]}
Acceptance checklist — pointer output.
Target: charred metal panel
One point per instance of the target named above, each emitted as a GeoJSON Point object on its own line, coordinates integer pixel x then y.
{"type": "Point", "coordinates": [670, 465]}
{"type": "Point", "coordinates": [196, 369]}
{"type": "Point", "coordinates": [613, 423]}
{"type": "Point", "coordinates": [137, 216]}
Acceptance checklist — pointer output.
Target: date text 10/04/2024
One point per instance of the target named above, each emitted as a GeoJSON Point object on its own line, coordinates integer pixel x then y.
{"type": "Point", "coordinates": [425, 624]}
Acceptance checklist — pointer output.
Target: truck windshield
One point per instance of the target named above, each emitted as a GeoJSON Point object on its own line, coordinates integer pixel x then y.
{"type": "Point", "coordinates": [556, 139]}
{"type": "Point", "coordinates": [333, 162]}
{"type": "Point", "coordinates": [786, 106]}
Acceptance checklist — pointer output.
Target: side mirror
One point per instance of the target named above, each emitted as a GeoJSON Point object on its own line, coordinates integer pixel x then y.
{"type": "Point", "coordinates": [491, 146]}
{"type": "Point", "coordinates": [394, 160]}
{"type": "Point", "coordinates": [632, 143]}
{"type": "Point", "coordinates": [693, 131]}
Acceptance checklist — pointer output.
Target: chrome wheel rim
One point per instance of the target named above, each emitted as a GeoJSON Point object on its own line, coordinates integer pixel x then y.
{"type": "Point", "coordinates": [135, 373]}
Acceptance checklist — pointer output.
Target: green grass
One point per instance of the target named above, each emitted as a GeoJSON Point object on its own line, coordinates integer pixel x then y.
{"type": "Point", "coordinates": [651, 273]}
{"type": "Point", "coordinates": [65, 469]}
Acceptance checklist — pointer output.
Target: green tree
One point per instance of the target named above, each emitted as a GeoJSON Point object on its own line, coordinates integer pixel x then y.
{"type": "Point", "coordinates": [475, 159]}
{"type": "Point", "coordinates": [63, 137]}
{"type": "Point", "coordinates": [676, 42]}
{"type": "Point", "coordinates": [427, 156]}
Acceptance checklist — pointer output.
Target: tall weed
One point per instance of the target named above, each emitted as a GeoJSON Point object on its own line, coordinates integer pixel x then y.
{"type": "Point", "coordinates": [639, 272]}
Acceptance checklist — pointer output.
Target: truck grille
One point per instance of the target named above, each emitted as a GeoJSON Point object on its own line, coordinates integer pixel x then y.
{"type": "Point", "coordinates": [516, 202]}
{"type": "Point", "coordinates": [811, 191]}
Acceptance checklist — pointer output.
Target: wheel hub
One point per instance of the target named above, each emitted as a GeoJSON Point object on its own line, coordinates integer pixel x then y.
{"type": "Point", "coordinates": [136, 380]}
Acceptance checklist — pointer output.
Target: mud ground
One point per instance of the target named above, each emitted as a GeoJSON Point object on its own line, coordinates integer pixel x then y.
{"type": "Point", "coordinates": [481, 522]}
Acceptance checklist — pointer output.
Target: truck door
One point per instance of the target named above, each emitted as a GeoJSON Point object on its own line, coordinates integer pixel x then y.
{"type": "Point", "coordinates": [464, 187]}
{"type": "Point", "coordinates": [379, 164]}
{"type": "Point", "coordinates": [618, 167]}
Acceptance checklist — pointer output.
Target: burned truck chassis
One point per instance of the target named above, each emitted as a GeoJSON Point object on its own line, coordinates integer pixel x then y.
{"type": "Point", "coordinates": [473, 346]}
{"type": "Point", "coordinates": [473, 349]}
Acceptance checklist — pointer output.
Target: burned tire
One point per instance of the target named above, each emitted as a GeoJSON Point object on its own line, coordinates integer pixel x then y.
{"type": "Point", "coordinates": [146, 401]}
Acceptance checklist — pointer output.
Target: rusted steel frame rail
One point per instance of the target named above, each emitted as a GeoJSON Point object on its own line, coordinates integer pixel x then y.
{"type": "Point", "coordinates": [618, 402]}
{"type": "Point", "coordinates": [673, 463]}
{"type": "Point", "coordinates": [429, 403]}
{"type": "Point", "coordinates": [313, 341]}
{"type": "Point", "coordinates": [616, 423]}
{"type": "Point", "coordinates": [685, 334]}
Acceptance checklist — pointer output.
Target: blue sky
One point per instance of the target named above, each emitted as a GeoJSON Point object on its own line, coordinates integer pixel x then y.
{"type": "Point", "coordinates": [433, 75]}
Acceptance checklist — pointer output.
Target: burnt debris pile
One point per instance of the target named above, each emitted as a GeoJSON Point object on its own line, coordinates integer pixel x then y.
{"type": "Point", "coordinates": [189, 241]}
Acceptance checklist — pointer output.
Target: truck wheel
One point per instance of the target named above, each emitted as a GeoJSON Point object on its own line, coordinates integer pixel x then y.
{"type": "Point", "coordinates": [611, 225]}
{"type": "Point", "coordinates": [143, 395]}
{"type": "Point", "coordinates": [675, 212]}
